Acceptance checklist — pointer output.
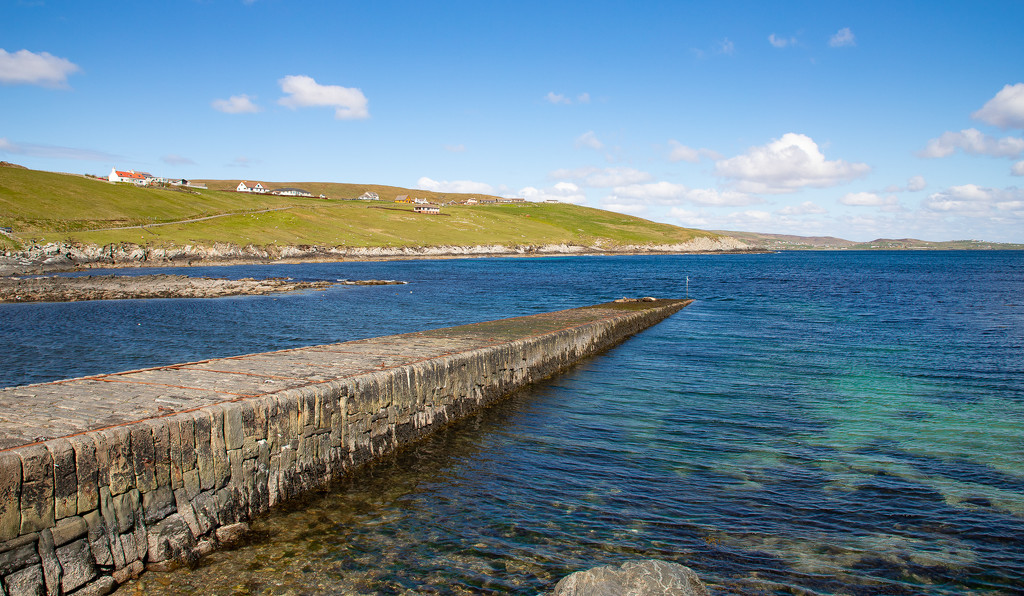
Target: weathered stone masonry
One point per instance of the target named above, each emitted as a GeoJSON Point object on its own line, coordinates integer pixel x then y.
{"type": "Point", "coordinates": [103, 476]}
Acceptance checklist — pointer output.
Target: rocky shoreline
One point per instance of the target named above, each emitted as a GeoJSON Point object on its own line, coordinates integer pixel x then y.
{"type": "Point", "coordinates": [120, 287]}
{"type": "Point", "coordinates": [57, 256]}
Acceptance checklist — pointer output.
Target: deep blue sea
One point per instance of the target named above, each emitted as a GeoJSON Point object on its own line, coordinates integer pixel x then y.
{"type": "Point", "coordinates": [815, 423]}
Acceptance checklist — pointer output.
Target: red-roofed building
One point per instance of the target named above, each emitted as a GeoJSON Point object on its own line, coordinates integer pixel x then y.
{"type": "Point", "coordinates": [139, 178]}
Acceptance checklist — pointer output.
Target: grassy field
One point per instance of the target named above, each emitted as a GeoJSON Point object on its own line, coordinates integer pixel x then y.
{"type": "Point", "coordinates": [45, 206]}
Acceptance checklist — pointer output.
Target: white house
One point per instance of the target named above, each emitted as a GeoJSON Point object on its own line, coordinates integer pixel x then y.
{"type": "Point", "coordinates": [369, 196]}
{"type": "Point", "coordinates": [257, 188]}
{"type": "Point", "coordinates": [429, 209]}
{"type": "Point", "coordinates": [419, 201]}
{"type": "Point", "coordinates": [291, 192]}
{"type": "Point", "coordinates": [139, 178]}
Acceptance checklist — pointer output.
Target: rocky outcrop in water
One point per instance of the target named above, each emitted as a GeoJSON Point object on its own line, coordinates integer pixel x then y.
{"type": "Point", "coordinates": [633, 578]}
{"type": "Point", "coordinates": [119, 287]}
{"type": "Point", "coordinates": [65, 256]}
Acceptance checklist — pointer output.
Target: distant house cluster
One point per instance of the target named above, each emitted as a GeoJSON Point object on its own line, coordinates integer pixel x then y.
{"type": "Point", "coordinates": [147, 179]}
{"type": "Point", "coordinates": [258, 188]}
{"type": "Point", "coordinates": [368, 196]}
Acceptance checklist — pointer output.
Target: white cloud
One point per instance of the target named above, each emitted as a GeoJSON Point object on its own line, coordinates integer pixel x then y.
{"type": "Point", "coordinates": [455, 148]}
{"type": "Point", "coordinates": [236, 104]}
{"type": "Point", "coordinates": [583, 97]}
{"type": "Point", "coordinates": [457, 186]}
{"type": "Point", "coordinates": [349, 103]}
{"type": "Point", "coordinates": [243, 162]}
{"type": "Point", "coordinates": [55, 151]}
{"type": "Point", "coordinates": [601, 177]}
{"type": "Point", "coordinates": [727, 47]}
{"type": "Point", "coordinates": [916, 183]}
{"type": "Point", "coordinates": [973, 142]}
{"type": "Point", "coordinates": [1005, 110]}
{"type": "Point", "coordinates": [689, 218]}
{"type": "Point", "coordinates": [564, 192]}
{"type": "Point", "coordinates": [787, 165]}
{"type": "Point", "coordinates": [970, 200]}
{"type": "Point", "coordinates": [843, 37]}
{"type": "Point", "coordinates": [868, 199]}
{"type": "Point", "coordinates": [26, 68]}
{"type": "Point", "coordinates": [589, 139]}
{"type": "Point", "coordinates": [557, 98]}
{"type": "Point", "coordinates": [177, 160]}
{"type": "Point", "coordinates": [681, 152]}
{"type": "Point", "coordinates": [669, 193]}
{"type": "Point", "coordinates": [781, 42]}
{"type": "Point", "coordinates": [1017, 169]}
{"type": "Point", "coordinates": [805, 208]}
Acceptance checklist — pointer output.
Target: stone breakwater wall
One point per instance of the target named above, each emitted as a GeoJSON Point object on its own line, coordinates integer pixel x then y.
{"type": "Point", "coordinates": [156, 467]}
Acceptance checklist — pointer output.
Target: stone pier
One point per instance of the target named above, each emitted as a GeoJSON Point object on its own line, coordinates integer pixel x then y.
{"type": "Point", "coordinates": [103, 476]}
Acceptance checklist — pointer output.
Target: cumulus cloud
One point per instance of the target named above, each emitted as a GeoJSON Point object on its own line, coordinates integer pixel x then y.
{"type": "Point", "coordinates": [601, 177]}
{"type": "Point", "coordinates": [868, 199]}
{"type": "Point", "coordinates": [1017, 169]}
{"type": "Point", "coordinates": [781, 42]}
{"type": "Point", "coordinates": [689, 218]}
{"type": "Point", "coordinates": [455, 148]}
{"type": "Point", "coordinates": [670, 193]}
{"type": "Point", "coordinates": [457, 186]}
{"type": "Point", "coordinates": [916, 183]}
{"type": "Point", "coordinates": [974, 142]}
{"type": "Point", "coordinates": [681, 152]}
{"type": "Point", "coordinates": [583, 97]}
{"type": "Point", "coordinates": [786, 165]}
{"type": "Point", "coordinates": [177, 160]}
{"type": "Point", "coordinates": [26, 68]}
{"type": "Point", "coordinates": [589, 139]}
{"type": "Point", "coordinates": [349, 103]}
{"type": "Point", "coordinates": [805, 208]}
{"type": "Point", "coordinates": [627, 208]}
{"type": "Point", "coordinates": [970, 200]}
{"type": "Point", "coordinates": [842, 38]}
{"type": "Point", "coordinates": [1005, 110]}
{"type": "Point", "coordinates": [55, 151]}
{"type": "Point", "coordinates": [557, 98]}
{"type": "Point", "coordinates": [236, 104]}
{"type": "Point", "coordinates": [727, 47]}
{"type": "Point", "coordinates": [563, 192]}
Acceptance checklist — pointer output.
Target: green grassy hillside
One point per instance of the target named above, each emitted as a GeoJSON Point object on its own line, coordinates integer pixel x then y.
{"type": "Point", "coordinates": [44, 207]}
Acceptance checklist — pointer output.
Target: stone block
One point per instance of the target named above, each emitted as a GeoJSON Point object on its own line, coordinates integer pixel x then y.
{"type": "Point", "coordinates": [170, 539]}
{"type": "Point", "coordinates": [141, 540]}
{"type": "Point", "coordinates": [76, 563]}
{"type": "Point", "coordinates": [65, 478]}
{"type": "Point", "coordinates": [87, 472]}
{"type": "Point", "coordinates": [118, 459]}
{"type": "Point", "coordinates": [37, 511]}
{"type": "Point", "coordinates": [633, 577]}
{"type": "Point", "coordinates": [204, 450]}
{"type": "Point", "coordinates": [187, 512]}
{"type": "Point", "coordinates": [232, 532]}
{"type": "Point", "coordinates": [110, 527]}
{"type": "Point", "coordinates": [233, 433]}
{"type": "Point", "coordinates": [68, 529]}
{"type": "Point", "coordinates": [235, 465]}
{"type": "Point", "coordinates": [205, 506]}
{"type": "Point", "coordinates": [19, 557]}
{"type": "Point", "coordinates": [126, 507]}
{"type": "Point", "coordinates": [10, 495]}
{"type": "Point", "coordinates": [218, 448]}
{"type": "Point", "coordinates": [174, 452]}
{"type": "Point", "coordinates": [191, 483]}
{"type": "Point", "coordinates": [52, 572]}
{"type": "Point", "coordinates": [143, 457]}
{"type": "Point", "coordinates": [99, 544]}
{"type": "Point", "coordinates": [128, 547]}
{"type": "Point", "coordinates": [187, 437]}
{"type": "Point", "coordinates": [158, 504]}
{"type": "Point", "coordinates": [103, 585]}
{"type": "Point", "coordinates": [128, 572]}
{"type": "Point", "coordinates": [26, 582]}
{"type": "Point", "coordinates": [161, 449]}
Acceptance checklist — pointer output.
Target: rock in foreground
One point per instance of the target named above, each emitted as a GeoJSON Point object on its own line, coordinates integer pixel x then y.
{"type": "Point", "coordinates": [634, 578]}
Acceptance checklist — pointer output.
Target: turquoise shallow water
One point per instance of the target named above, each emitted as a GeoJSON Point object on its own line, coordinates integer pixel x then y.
{"type": "Point", "coordinates": [834, 423]}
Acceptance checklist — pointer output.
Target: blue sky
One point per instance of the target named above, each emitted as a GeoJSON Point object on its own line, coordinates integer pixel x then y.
{"type": "Point", "coordinates": [860, 120]}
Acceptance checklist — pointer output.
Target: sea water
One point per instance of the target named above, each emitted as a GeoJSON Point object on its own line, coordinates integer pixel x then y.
{"type": "Point", "coordinates": [822, 422]}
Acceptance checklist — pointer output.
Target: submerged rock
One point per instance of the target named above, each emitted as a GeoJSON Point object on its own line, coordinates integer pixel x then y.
{"type": "Point", "coordinates": [650, 577]}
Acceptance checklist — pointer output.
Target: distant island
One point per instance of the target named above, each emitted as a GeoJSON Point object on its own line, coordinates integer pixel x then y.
{"type": "Point", "coordinates": [53, 221]}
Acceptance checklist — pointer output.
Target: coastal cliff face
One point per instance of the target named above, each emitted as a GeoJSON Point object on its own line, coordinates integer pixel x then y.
{"type": "Point", "coordinates": [56, 255]}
